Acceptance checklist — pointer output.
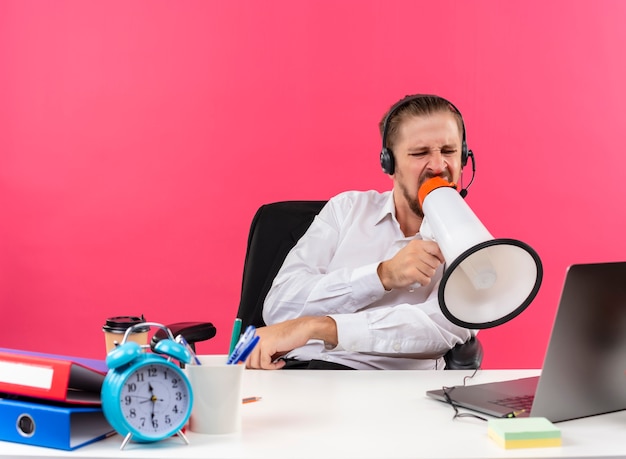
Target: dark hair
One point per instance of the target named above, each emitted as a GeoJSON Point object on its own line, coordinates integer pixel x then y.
{"type": "Point", "coordinates": [414, 105]}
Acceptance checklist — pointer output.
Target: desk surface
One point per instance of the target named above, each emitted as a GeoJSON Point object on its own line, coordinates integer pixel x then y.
{"type": "Point", "coordinates": [366, 414]}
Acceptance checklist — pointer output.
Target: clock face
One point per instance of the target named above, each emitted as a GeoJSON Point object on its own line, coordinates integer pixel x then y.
{"type": "Point", "coordinates": [155, 400]}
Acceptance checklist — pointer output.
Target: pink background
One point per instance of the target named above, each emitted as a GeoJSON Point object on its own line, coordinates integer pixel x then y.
{"type": "Point", "coordinates": [137, 139]}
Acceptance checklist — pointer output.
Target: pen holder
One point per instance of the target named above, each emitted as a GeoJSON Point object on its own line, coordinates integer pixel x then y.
{"type": "Point", "coordinates": [217, 395]}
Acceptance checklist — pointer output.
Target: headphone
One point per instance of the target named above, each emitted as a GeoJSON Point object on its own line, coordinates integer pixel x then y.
{"type": "Point", "coordinates": [387, 161]}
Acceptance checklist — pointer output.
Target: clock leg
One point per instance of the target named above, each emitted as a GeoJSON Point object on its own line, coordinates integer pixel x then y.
{"type": "Point", "coordinates": [126, 440]}
{"type": "Point", "coordinates": [182, 435]}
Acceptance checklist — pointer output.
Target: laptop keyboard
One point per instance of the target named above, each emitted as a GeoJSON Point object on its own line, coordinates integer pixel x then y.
{"type": "Point", "coordinates": [518, 403]}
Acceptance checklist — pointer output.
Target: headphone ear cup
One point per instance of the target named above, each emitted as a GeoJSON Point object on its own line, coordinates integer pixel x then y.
{"type": "Point", "coordinates": [387, 161]}
{"type": "Point", "coordinates": [464, 154]}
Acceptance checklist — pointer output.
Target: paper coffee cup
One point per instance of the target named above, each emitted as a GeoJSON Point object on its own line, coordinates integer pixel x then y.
{"type": "Point", "coordinates": [115, 327]}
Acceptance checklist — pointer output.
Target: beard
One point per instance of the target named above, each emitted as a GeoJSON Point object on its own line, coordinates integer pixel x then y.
{"type": "Point", "coordinates": [413, 201]}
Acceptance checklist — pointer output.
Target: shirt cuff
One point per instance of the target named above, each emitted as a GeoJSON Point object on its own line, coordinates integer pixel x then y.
{"type": "Point", "coordinates": [353, 332]}
{"type": "Point", "coordinates": [366, 285]}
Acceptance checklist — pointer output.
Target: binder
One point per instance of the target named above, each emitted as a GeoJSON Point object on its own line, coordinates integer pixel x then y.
{"type": "Point", "coordinates": [51, 425]}
{"type": "Point", "coordinates": [51, 376]}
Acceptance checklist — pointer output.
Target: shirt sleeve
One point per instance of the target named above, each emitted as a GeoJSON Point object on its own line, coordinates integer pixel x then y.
{"type": "Point", "coordinates": [419, 331]}
{"type": "Point", "coordinates": [305, 286]}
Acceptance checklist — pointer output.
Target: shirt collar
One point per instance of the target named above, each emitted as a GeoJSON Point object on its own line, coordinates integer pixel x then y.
{"type": "Point", "coordinates": [389, 208]}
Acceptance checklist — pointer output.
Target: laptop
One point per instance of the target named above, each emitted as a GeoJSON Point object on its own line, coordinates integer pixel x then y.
{"type": "Point", "coordinates": [584, 368]}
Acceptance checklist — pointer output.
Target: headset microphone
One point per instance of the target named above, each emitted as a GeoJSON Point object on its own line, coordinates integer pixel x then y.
{"type": "Point", "coordinates": [463, 191]}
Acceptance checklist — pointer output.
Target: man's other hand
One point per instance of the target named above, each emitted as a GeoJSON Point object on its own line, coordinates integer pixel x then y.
{"type": "Point", "coordinates": [278, 339]}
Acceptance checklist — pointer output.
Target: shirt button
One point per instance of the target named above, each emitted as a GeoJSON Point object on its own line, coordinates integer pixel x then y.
{"type": "Point", "coordinates": [396, 347]}
{"type": "Point", "coordinates": [373, 298]}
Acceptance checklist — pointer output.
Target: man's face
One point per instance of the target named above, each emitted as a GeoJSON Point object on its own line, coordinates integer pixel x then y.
{"type": "Point", "coordinates": [427, 146]}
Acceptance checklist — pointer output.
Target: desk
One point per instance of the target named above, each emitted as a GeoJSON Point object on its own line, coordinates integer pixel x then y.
{"type": "Point", "coordinates": [366, 414]}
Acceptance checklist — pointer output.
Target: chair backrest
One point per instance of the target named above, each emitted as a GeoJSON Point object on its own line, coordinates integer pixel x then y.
{"type": "Point", "coordinates": [275, 229]}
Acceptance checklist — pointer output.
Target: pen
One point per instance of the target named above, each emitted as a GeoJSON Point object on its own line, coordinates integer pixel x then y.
{"type": "Point", "coordinates": [250, 399]}
{"type": "Point", "coordinates": [181, 339]}
{"type": "Point", "coordinates": [234, 337]}
{"type": "Point", "coordinates": [242, 344]}
{"type": "Point", "coordinates": [245, 352]}
{"type": "Point", "coordinates": [514, 414]}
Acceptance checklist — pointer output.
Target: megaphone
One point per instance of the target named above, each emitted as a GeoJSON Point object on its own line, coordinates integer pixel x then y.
{"type": "Point", "coordinates": [487, 281]}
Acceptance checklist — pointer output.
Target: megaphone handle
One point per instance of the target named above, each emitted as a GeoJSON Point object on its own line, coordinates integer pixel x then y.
{"type": "Point", "coordinates": [417, 285]}
{"type": "Point", "coordinates": [427, 235]}
{"type": "Point", "coordinates": [425, 231]}
{"type": "Point", "coordinates": [412, 287]}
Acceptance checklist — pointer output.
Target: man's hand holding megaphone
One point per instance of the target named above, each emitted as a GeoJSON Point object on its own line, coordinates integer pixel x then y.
{"type": "Point", "coordinates": [414, 264]}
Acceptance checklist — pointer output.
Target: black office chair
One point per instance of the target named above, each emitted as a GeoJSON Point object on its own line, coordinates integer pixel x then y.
{"type": "Point", "coordinates": [275, 229]}
{"type": "Point", "coordinates": [193, 332]}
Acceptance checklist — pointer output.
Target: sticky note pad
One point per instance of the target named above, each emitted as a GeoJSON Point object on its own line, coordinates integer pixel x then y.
{"type": "Point", "coordinates": [524, 433]}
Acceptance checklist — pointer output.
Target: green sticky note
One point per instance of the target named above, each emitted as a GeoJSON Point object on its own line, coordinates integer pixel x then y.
{"type": "Point", "coordinates": [524, 432]}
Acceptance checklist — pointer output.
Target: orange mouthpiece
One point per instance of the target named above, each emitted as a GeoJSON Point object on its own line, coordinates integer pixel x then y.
{"type": "Point", "coordinates": [430, 185]}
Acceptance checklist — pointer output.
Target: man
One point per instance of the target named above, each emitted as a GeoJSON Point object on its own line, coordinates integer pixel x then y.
{"type": "Point", "coordinates": [346, 295]}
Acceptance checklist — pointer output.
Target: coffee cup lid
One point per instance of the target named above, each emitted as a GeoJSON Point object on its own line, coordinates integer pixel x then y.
{"type": "Point", "coordinates": [120, 324]}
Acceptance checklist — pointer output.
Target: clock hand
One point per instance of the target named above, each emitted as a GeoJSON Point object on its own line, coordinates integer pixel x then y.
{"type": "Point", "coordinates": [153, 399]}
{"type": "Point", "coordinates": [143, 398]}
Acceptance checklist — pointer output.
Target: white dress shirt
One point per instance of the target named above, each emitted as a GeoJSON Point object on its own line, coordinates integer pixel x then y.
{"type": "Point", "coordinates": [332, 271]}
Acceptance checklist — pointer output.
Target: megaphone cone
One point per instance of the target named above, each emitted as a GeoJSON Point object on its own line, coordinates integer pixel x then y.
{"type": "Point", "coordinates": [487, 281]}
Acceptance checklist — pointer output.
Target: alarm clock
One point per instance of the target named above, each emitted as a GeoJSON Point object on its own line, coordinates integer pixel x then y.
{"type": "Point", "coordinates": [145, 396]}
